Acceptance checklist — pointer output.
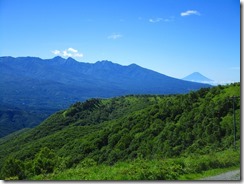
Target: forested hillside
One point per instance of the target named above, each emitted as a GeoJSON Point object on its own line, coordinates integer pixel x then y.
{"type": "Point", "coordinates": [13, 119]}
{"type": "Point", "coordinates": [102, 133]}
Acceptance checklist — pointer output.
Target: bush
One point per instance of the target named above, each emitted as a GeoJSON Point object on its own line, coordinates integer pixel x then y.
{"type": "Point", "coordinates": [44, 161]}
{"type": "Point", "coordinates": [13, 169]}
{"type": "Point", "coordinates": [87, 162]}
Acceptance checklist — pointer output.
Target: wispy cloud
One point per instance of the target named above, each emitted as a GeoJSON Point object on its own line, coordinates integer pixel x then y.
{"type": "Point", "coordinates": [169, 19]}
{"type": "Point", "coordinates": [189, 12]}
{"type": "Point", "coordinates": [70, 52]}
{"type": "Point", "coordinates": [156, 20]}
{"type": "Point", "coordinates": [215, 83]}
{"type": "Point", "coordinates": [56, 52]}
{"type": "Point", "coordinates": [114, 36]}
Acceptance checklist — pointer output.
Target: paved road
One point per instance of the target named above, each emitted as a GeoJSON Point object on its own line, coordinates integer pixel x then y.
{"type": "Point", "coordinates": [231, 175]}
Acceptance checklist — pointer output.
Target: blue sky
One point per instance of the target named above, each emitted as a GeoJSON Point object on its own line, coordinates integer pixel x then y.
{"type": "Point", "coordinates": [173, 37]}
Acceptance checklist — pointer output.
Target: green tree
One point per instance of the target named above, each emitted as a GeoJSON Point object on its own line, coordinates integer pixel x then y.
{"type": "Point", "coordinates": [45, 161]}
{"type": "Point", "coordinates": [13, 168]}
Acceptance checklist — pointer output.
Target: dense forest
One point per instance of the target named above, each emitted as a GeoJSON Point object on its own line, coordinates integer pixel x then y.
{"type": "Point", "coordinates": [13, 119]}
{"type": "Point", "coordinates": [150, 136]}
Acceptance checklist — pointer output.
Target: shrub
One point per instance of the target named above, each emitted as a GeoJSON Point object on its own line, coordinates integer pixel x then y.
{"type": "Point", "coordinates": [13, 169]}
{"type": "Point", "coordinates": [44, 161]}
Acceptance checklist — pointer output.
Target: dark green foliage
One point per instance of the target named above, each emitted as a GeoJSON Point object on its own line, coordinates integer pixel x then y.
{"type": "Point", "coordinates": [13, 119]}
{"type": "Point", "coordinates": [146, 127]}
{"type": "Point", "coordinates": [12, 169]}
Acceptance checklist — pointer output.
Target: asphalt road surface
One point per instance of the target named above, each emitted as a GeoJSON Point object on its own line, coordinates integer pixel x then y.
{"type": "Point", "coordinates": [231, 175]}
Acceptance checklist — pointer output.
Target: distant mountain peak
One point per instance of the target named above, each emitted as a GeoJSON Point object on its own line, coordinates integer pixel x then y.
{"type": "Point", "coordinates": [104, 62]}
{"type": "Point", "coordinates": [196, 73]}
{"type": "Point", "coordinates": [134, 65]}
{"type": "Point", "coordinates": [70, 59]}
{"type": "Point", "coordinates": [60, 60]}
{"type": "Point", "coordinates": [197, 77]}
{"type": "Point", "coordinates": [58, 57]}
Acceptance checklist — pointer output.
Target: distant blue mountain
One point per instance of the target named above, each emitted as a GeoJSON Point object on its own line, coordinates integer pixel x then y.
{"type": "Point", "coordinates": [197, 77]}
{"type": "Point", "coordinates": [58, 82]}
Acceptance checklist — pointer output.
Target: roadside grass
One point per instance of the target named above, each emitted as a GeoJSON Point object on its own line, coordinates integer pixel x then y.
{"type": "Point", "coordinates": [182, 168]}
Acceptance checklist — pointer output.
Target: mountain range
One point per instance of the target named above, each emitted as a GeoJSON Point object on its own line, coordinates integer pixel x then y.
{"type": "Point", "coordinates": [44, 86]}
{"type": "Point", "coordinates": [57, 83]}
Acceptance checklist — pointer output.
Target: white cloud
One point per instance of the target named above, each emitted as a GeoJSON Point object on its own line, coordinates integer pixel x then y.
{"type": "Point", "coordinates": [155, 20]}
{"type": "Point", "coordinates": [189, 12]}
{"type": "Point", "coordinates": [70, 52]}
{"type": "Point", "coordinates": [66, 54]}
{"type": "Point", "coordinates": [114, 36]}
{"type": "Point", "coordinates": [56, 52]}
